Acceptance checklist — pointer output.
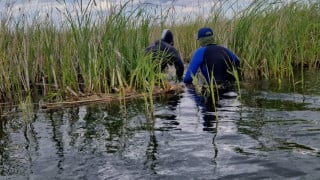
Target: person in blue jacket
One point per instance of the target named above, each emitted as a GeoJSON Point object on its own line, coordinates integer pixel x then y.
{"type": "Point", "coordinates": [164, 49]}
{"type": "Point", "coordinates": [212, 59]}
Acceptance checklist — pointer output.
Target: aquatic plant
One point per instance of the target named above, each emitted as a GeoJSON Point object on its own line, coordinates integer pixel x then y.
{"type": "Point", "coordinates": [274, 37]}
{"type": "Point", "coordinates": [92, 53]}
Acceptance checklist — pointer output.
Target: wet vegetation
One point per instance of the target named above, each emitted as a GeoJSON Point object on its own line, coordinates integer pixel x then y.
{"type": "Point", "coordinates": [91, 53]}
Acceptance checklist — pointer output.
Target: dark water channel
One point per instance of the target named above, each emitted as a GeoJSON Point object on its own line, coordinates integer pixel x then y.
{"type": "Point", "coordinates": [272, 132]}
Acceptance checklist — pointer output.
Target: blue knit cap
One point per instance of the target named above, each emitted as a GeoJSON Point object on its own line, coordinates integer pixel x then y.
{"type": "Point", "coordinates": [205, 32]}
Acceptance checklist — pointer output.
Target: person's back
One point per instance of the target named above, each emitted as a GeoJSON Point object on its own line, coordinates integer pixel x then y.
{"type": "Point", "coordinates": [164, 51]}
{"type": "Point", "coordinates": [215, 62]}
{"type": "Point", "coordinates": [219, 64]}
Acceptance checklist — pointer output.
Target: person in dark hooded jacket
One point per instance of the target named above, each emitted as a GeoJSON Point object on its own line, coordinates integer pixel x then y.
{"type": "Point", "coordinates": [164, 50]}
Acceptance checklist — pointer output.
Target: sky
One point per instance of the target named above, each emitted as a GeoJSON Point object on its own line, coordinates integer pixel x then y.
{"type": "Point", "coordinates": [176, 8]}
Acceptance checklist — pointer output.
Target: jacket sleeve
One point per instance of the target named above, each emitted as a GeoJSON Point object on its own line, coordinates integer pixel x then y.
{"type": "Point", "coordinates": [178, 64]}
{"type": "Point", "coordinates": [233, 57]}
{"type": "Point", "coordinates": [196, 61]}
{"type": "Point", "coordinates": [175, 59]}
{"type": "Point", "coordinates": [172, 57]}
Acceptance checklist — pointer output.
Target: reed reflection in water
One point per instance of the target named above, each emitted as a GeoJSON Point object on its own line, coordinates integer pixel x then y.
{"type": "Point", "coordinates": [268, 133]}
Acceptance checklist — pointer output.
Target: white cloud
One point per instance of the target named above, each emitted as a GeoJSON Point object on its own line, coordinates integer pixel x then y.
{"type": "Point", "coordinates": [178, 8]}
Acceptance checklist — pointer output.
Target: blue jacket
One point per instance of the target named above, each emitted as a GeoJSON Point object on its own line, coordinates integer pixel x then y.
{"type": "Point", "coordinates": [212, 59]}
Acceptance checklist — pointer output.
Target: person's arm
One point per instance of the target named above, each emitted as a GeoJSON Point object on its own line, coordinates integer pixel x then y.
{"type": "Point", "coordinates": [178, 64]}
{"type": "Point", "coordinates": [196, 61]}
{"type": "Point", "coordinates": [174, 58]}
{"type": "Point", "coordinates": [233, 57]}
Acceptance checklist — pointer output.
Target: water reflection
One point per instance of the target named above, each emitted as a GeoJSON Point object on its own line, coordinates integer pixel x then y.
{"type": "Point", "coordinates": [224, 110]}
{"type": "Point", "coordinates": [225, 101]}
{"type": "Point", "coordinates": [264, 135]}
{"type": "Point", "coordinates": [206, 107]}
{"type": "Point", "coordinates": [3, 145]}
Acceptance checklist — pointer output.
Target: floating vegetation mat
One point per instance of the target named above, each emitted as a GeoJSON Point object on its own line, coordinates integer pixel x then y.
{"type": "Point", "coordinates": [121, 95]}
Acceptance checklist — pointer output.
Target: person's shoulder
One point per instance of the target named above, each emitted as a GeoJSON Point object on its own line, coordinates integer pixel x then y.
{"type": "Point", "coordinates": [219, 46]}
{"type": "Point", "coordinates": [198, 53]}
{"type": "Point", "coordinates": [163, 43]}
{"type": "Point", "coordinates": [224, 47]}
{"type": "Point", "coordinates": [229, 50]}
{"type": "Point", "coordinates": [168, 47]}
{"type": "Point", "coordinates": [153, 45]}
{"type": "Point", "coordinates": [200, 49]}
{"type": "Point", "coordinates": [156, 43]}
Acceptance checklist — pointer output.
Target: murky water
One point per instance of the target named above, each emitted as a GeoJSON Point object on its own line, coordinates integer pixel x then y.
{"type": "Point", "coordinates": [269, 133]}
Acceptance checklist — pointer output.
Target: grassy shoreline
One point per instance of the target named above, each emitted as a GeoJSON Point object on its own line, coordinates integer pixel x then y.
{"type": "Point", "coordinates": [83, 56]}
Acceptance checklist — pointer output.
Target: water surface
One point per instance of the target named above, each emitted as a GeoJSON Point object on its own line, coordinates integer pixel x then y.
{"type": "Point", "coordinates": [271, 132]}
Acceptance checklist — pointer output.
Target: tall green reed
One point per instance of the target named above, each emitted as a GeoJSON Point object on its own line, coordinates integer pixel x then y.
{"type": "Point", "coordinates": [274, 38]}
{"type": "Point", "coordinates": [96, 53]}
{"type": "Point", "coordinates": [84, 54]}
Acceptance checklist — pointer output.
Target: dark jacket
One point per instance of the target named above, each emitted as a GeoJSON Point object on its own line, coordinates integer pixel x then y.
{"type": "Point", "coordinates": [165, 52]}
{"type": "Point", "coordinates": [215, 60]}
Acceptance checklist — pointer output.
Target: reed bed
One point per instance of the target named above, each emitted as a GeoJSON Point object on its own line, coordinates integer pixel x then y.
{"type": "Point", "coordinates": [274, 38]}
{"type": "Point", "coordinates": [104, 53]}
